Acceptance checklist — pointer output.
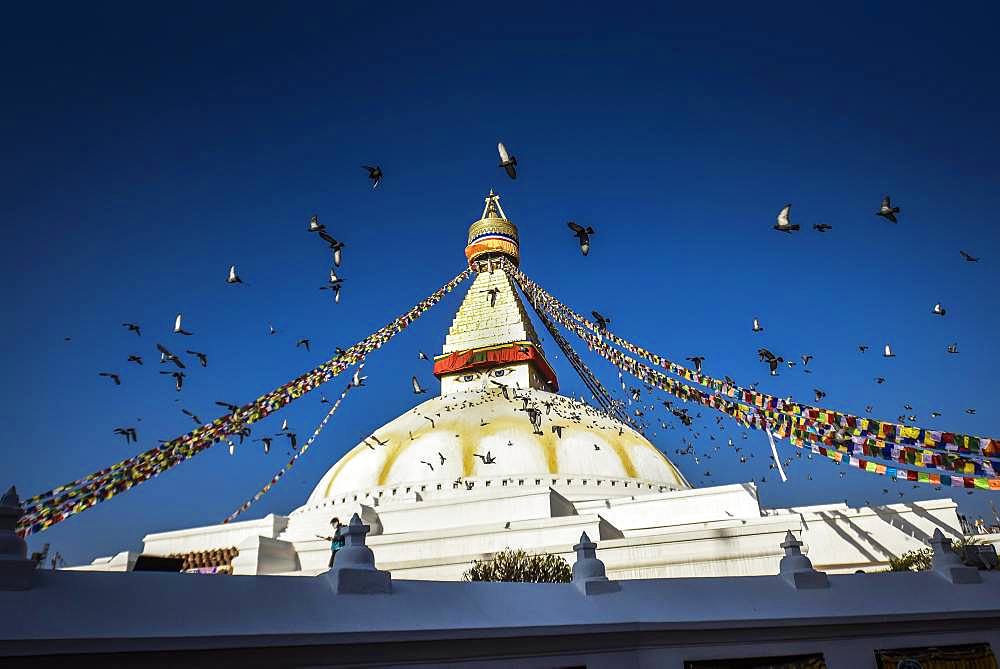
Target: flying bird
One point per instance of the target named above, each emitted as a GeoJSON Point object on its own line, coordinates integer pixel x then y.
{"type": "Point", "coordinates": [602, 321]}
{"type": "Point", "coordinates": [493, 292]}
{"type": "Point", "coordinates": [880, 380]}
{"type": "Point", "coordinates": [271, 330]}
{"type": "Point", "coordinates": [757, 327]}
{"type": "Point", "coordinates": [819, 394]}
{"type": "Point", "coordinates": [805, 359]}
{"type": "Point", "coordinates": [429, 465]}
{"type": "Point", "coordinates": [822, 227]}
{"type": "Point", "coordinates": [374, 173]}
{"type": "Point", "coordinates": [887, 353]}
{"type": "Point", "coordinates": [356, 380]}
{"type": "Point", "coordinates": [507, 161]}
{"type": "Point", "coordinates": [202, 358]}
{"type": "Point", "coordinates": [952, 348]}
{"type": "Point", "coordinates": [293, 440]}
{"type": "Point", "coordinates": [862, 348]}
{"type": "Point", "coordinates": [233, 276]}
{"type": "Point", "coordinates": [487, 459]}
{"type": "Point", "coordinates": [583, 235]}
{"type": "Point", "coordinates": [111, 375]}
{"type": "Point", "coordinates": [167, 356]}
{"type": "Point", "coordinates": [336, 247]}
{"type": "Point", "coordinates": [422, 356]}
{"type": "Point", "coordinates": [314, 224]}
{"type": "Point", "coordinates": [971, 411]}
{"type": "Point", "coordinates": [128, 432]}
{"type": "Point", "coordinates": [178, 329]}
{"type": "Point", "coordinates": [133, 327]}
{"type": "Point", "coordinates": [697, 360]}
{"type": "Point", "coordinates": [887, 211]}
{"type": "Point", "coordinates": [417, 390]}
{"type": "Point", "coordinates": [938, 310]}
{"type": "Point", "coordinates": [178, 378]}
{"type": "Point", "coordinates": [303, 342]}
{"type": "Point", "coordinates": [784, 224]}
{"type": "Point", "coordinates": [135, 358]}
{"type": "Point", "coordinates": [195, 418]}
{"type": "Point", "coordinates": [968, 257]}
{"type": "Point", "coordinates": [442, 457]}
{"type": "Point", "coordinates": [233, 408]}
{"type": "Point", "coordinates": [267, 443]}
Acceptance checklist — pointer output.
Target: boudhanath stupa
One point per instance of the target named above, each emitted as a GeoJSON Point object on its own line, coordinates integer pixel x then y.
{"type": "Point", "coordinates": [500, 459]}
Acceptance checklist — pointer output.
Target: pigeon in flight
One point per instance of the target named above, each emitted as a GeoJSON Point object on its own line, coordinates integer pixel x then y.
{"type": "Point", "coordinates": [757, 327]}
{"type": "Point", "coordinates": [194, 417]}
{"type": "Point", "coordinates": [374, 173]}
{"type": "Point", "coordinates": [132, 327]}
{"type": "Point", "coordinates": [952, 348]}
{"type": "Point", "coordinates": [267, 443]}
{"type": "Point", "coordinates": [178, 328]}
{"type": "Point", "coordinates": [493, 292]}
{"type": "Point", "coordinates": [971, 411]}
{"type": "Point", "coordinates": [938, 310]}
{"type": "Point", "coordinates": [202, 358]}
{"type": "Point", "coordinates": [887, 353]}
{"type": "Point", "coordinates": [167, 356]}
{"type": "Point", "coordinates": [178, 378]}
{"type": "Point", "coordinates": [424, 462]}
{"type": "Point", "coordinates": [487, 459]}
{"type": "Point", "coordinates": [442, 457]}
{"type": "Point", "coordinates": [968, 257]}
{"type": "Point", "coordinates": [303, 342]}
{"type": "Point", "coordinates": [772, 360]}
{"type": "Point", "coordinates": [417, 390]}
{"type": "Point", "coordinates": [335, 246]}
{"type": "Point", "coordinates": [879, 380]}
{"type": "Point", "coordinates": [422, 356]}
{"type": "Point", "coordinates": [862, 348]}
{"type": "Point", "coordinates": [356, 380]}
{"type": "Point", "coordinates": [784, 224]}
{"type": "Point", "coordinates": [819, 394]}
{"type": "Point", "coordinates": [507, 161]}
{"type": "Point", "coordinates": [271, 330]}
{"type": "Point", "coordinates": [233, 408]}
{"type": "Point", "coordinates": [697, 360]}
{"type": "Point", "coordinates": [128, 432]}
{"type": "Point", "coordinates": [602, 321]}
{"type": "Point", "coordinates": [293, 440]}
{"type": "Point", "coordinates": [111, 375]}
{"type": "Point", "coordinates": [822, 227]}
{"type": "Point", "coordinates": [314, 224]}
{"type": "Point", "coordinates": [583, 235]}
{"type": "Point", "coordinates": [805, 359]}
{"type": "Point", "coordinates": [935, 414]}
{"type": "Point", "coordinates": [887, 211]}
{"type": "Point", "coordinates": [137, 359]}
{"type": "Point", "coordinates": [233, 276]}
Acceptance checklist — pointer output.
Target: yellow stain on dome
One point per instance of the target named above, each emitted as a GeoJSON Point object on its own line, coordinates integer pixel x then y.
{"type": "Point", "coordinates": [624, 457]}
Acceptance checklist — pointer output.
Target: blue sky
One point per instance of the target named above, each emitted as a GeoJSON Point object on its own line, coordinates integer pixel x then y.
{"type": "Point", "coordinates": [146, 151]}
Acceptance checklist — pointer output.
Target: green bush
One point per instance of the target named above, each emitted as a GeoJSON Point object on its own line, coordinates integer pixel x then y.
{"type": "Point", "coordinates": [912, 560]}
{"type": "Point", "coordinates": [518, 566]}
{"type": "Point", "coordinates": [920, 560]}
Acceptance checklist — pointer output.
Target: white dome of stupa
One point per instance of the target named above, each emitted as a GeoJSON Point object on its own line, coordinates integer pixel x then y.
{"type": "Point", "coordinates": [573, 441]}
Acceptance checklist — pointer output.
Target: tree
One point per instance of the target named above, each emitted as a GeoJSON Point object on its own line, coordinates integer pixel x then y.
{"type": "Point", "coordinates": [919, 560]}
{"type": "Point", "coordinates": [518, 566]}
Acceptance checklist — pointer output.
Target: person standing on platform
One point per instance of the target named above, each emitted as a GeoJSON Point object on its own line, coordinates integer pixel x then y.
{"type": "Point", "coordinates": [336, 541]}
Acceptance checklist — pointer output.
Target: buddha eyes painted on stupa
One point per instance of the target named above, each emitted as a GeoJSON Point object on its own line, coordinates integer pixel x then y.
{"type": "Point", "coordinates": [468, 377]}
